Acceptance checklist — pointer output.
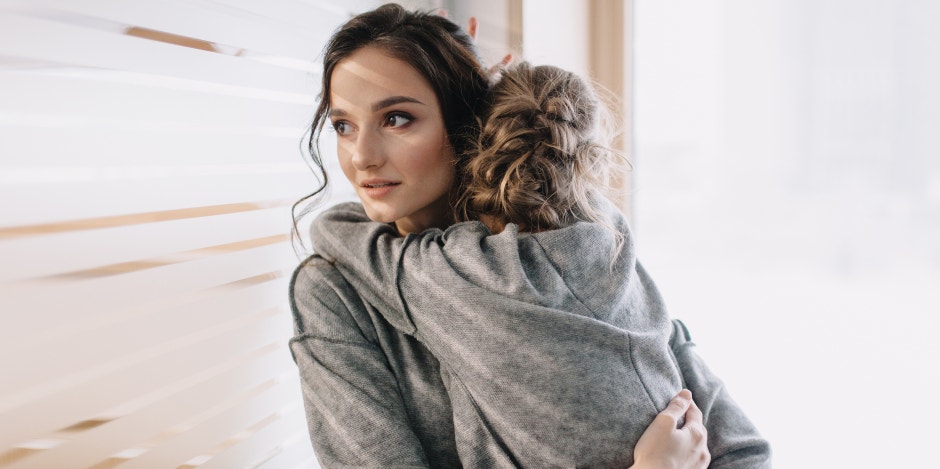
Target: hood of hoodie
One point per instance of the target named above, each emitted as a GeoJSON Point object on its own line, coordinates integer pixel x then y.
{"type": "Point", "coordinates": [579, 268]}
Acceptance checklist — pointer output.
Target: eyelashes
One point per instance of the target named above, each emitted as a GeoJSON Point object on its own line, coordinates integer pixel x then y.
{"type": "Point", "coordinates": [340, 127]}
{"type": "Point", "coordinates": [398, 119]}
{"type": "Point", "coordinates": [394, 120]}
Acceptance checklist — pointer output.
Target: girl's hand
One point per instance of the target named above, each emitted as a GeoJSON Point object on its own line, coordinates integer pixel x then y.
{"type": "Point", "coordinates": [494, 71]}
{"type": "Point", "coordinates": [472, 24]}
{"type": "Point", "coordinates": [668, 443]}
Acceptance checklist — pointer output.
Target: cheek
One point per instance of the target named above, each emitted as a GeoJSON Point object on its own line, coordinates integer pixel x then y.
{"type": "Point", "coordinates": [434, 162]}
{"type": "Point", "coordinates": [434, 170]}
{"type": "Point", "coordinates": [344, 157]}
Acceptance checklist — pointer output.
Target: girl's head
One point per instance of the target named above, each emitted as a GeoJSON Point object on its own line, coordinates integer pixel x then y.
{"type": "Point", "coordinates": [375, 68]}
{"type": "Point", "coordinates": [542, 155]}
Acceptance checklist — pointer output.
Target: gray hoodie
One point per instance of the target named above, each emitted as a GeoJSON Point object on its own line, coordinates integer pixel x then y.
{"type": "Point", "coordinates": [553, 353]}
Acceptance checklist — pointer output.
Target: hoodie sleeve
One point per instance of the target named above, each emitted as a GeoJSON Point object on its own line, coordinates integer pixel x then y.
{"type": "Point", "coordinates": [368, 253]}
{"type": "Point", "coordinates": [733, 440]}
{"type": "Point", "coordinates": [391, 271]}
{"type": "Point", "coordinates": [355, 413]}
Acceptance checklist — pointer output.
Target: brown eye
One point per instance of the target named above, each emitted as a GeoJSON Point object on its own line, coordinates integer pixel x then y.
{"type": "Point", "coordinates": [341, 127]}
{"type": "Point", "coordinates": [397, 120]}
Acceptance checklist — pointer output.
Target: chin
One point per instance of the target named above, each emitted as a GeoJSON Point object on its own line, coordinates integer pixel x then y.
{"type": "Point", "coordinates": [378, 215]}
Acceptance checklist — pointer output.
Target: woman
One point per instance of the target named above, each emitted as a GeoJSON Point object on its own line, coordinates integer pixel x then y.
{"type": "Point", "coordinates": [539, 339]}
{"type": "Point", "coordinates": [404, 107]}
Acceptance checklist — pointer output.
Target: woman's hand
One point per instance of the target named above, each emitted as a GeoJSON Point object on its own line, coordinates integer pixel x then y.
{"type": "Point", "coordinates": [668, 443]}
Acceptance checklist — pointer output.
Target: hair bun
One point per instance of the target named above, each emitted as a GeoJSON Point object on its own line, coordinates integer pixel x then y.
{"type": "Point", "coordinates": [537, 153]}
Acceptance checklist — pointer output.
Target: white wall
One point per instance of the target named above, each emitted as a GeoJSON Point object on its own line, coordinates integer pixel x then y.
{"type": "Point", "coordinates": [788, 171]}
{"type": "Point", "coordinates": [493, 34]}
{"type": "Point", "coordinates": [555, 32]}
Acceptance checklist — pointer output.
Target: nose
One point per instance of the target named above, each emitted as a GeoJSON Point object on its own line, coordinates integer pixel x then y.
{"type": "Point", "coordinates": [368, 152]}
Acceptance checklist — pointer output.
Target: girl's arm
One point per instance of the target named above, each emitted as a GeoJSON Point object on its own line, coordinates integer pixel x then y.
{"type": "Point", "coordinates": [355, 412]}
{"type": "Point", "coordinates": [366, 252]}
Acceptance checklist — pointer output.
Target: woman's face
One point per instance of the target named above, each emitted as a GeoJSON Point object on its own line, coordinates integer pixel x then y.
{"type": "Point", "coordinates": [392, 142]}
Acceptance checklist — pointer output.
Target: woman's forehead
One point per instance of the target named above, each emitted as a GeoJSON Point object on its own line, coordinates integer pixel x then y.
{"type": "Point", "coordinates": [371, 74]}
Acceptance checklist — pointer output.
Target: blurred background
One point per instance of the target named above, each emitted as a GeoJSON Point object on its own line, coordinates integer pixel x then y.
{"type": "Point", "coordinates": [785, 196]}
{"type": "Point", "coordinates": [787, 201]}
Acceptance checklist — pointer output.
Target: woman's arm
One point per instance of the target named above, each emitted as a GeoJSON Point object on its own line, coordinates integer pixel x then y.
{"type": "Point", "coordinates": [733, 440]}
{"type": "Point", "coordinates": [355, 412]}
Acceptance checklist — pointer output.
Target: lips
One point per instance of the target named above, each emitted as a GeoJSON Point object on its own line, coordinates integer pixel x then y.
{"type": "Point", "coordinates": [377, 183]}
{"type": "Point", "coordinates": [376, 189]}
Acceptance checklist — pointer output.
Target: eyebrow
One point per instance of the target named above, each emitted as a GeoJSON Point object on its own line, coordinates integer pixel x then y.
{"type": "Point", "coordinates": [391, 101]}
{"type": "Point", "coordinates": [379, 105]}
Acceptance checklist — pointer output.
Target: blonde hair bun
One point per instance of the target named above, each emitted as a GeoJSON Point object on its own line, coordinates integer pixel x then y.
{"type": "Point", "coordinates": [538, 160]}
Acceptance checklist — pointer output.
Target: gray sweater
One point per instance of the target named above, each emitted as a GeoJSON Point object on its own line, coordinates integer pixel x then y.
{"type": "Point", "coordinates": [548, 353]}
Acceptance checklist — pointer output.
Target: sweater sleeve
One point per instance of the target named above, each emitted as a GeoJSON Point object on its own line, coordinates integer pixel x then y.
{"type": "Point", "coordinates": [411, 279]}
{"type": "Point", "coordinates": [373, 257]}
{"type": "Point", "coordinates": [733, 440]}
{"type": "Point", "coordinates": [368, 254]}
{"type": "Point", "coordinates": [355, 413]}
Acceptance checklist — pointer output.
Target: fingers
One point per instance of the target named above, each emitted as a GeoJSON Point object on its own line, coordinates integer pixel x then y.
{"type": "Point", "coordinates": [694, 423]}
{"type": "Point", "coordinates": [700, 439]}
{"type": "Point", "coordinates": [695, 426]}
{"type": "Point", "coordinates": [472, 25]}
{"type": "Point", "coordinates": [678, 407]}
{"type": "Point", "coordinates": [495, 71]}
{"type": "Point", "coordinates": [694, 415]}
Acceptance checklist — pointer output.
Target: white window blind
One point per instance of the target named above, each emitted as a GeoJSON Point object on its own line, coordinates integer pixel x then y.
{"type": "Point", "coordinates": [150, 154]}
